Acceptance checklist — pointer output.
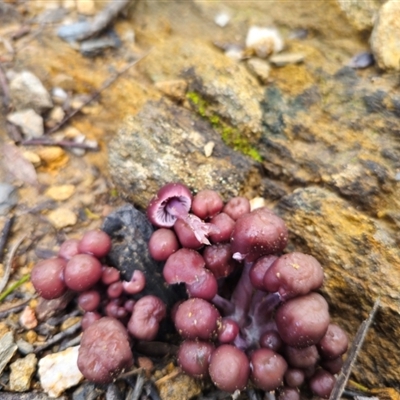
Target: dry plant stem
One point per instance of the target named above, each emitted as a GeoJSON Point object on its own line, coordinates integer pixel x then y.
{"type": "Point", "coordinates": [352, 354]}
{"type": "Point", "coordinates": [171, 375]}
{"type": "Point", "coordinates": [4, 87]}
{"type": "Point", "coordinates": [105, 86]}
{"type": "Point", "coordinates": [103, 19]}
{"type": "Point", "coordinates": [60, 143]}
{"type": "Point", "coordinates": [56, 338]}
{"type": "Point", "coordinates": [130, 373]}
{"type": "Point", "coordinates": [8, 265]}
{"type": "Point", "coordinates": [14, 308]}
{"type": "Point", "coordinates": [135, 393]}
{"type": "Point", "coordinates": [4, 235]}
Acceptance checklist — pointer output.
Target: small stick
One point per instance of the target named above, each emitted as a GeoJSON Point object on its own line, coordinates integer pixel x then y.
{"type": "Point", "coordinates": [60, 336]}
{"type": "Point", "coordinates": [105, 86]}
{"type": "Point", "coordinates": [8, 267]}
{"type": "Point", "coordinates": [171, 375]}
{"type": "Point", "coordinates": [103, 18]}
{"type": "Point", "coordinates": [137, 391]}
{"type": "Point", "coordinates": [61, 143]}
{"type": "Point", "coordinates": [4, 235]}
{"type": "Point", "coordinates": [4, 87]}
{"type": "Point", "coordinates": [353, 353]}
{"type": "Point", "coordinates": [14, 308]}
{"type": "Point", "coordinates": [127, 374]}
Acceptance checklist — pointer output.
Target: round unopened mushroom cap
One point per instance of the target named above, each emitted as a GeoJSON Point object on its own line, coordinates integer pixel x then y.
{"type": "Point", "coordinates": [171, 201]}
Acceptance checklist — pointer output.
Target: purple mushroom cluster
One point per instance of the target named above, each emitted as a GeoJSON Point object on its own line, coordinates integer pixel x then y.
{"type": "Point", "coordinates": [252, 315]}
{"type": "Point", "coordinates": [113, 315]}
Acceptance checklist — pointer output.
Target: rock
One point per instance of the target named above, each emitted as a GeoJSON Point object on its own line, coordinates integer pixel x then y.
{"type": "Point", "coordinates": [29, 121]}
{"type": "Point", "coordinates": [27, 91]}
{"type": "Point", "coordinates": [87, 391]}
{"type": "Point", "coordinates": [32, 157]}
{"type": "Point", "coordinates": [218, 87]}
{"type": "Point", "coordinates": [222, 19]}
{"type": "Point", "coordinates": [8, 197]}
{"type": "Point", "coordinates": [27, 319]}
{"type": "Point", "coordinates": [384, 38]}
{"type": "Point", "coordinates": [22, 371]}
{"type": "Point", "coordinates": [360, 14]}
{"type": "Point", "coordinates": [361, 263]}
{"type": "Point", "coordinates": [165, 143]}
{"type": "Point", "coordinates": [180, 387]}
{"type": "Point", "coordinates": [62, 217]}
{"type": "Point", "coordinates": [128, 255]}
{"type": "Point", "coordinates": [59, 371]}
{"type": "Point", "coordinates": [56, 115]}
{"type": "Point", "coordinates": [263, 42]}
{"type": "Point", "coordinates": [86, 7]}
{"type": "Point", "coordinates": [282, 59]}
{"type": "Point", "coordinates": [61, 192]}
{"type": "Point", "coordinates": [7, 349]}
{"type": "Point", "coordinates": [260, 68]}
{"type": "Point", "coordinates": [24, 347]}
{"type": "Point", "coordinates": [175, 89]}
{"type": "Point", "coordinates": [52, 155]}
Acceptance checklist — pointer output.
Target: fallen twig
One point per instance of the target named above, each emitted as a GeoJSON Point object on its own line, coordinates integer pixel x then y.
{"type": "Point", "coordinates": [135, 393]}
{"type": "Point", "coordinates": [4, 88]}
{"type": "Point", "coordinates": [105, 86]}
{"type": "Point", "coordinates": [60, 143]}
{"type": "Point", "coordinates": [103, 19]}
{"type": "Point", "coordinates": [4, 235]}
{"type": "Point", "coordinates": [14, 308]}
{"type": "Point", "coordinates": [352, 354]}
{"type": "Point", "coordinates": [8, 266]}
{"type": "Point", "coordinates": [60, 336]}
{"type": "Point", "coordinates": [169, 376]}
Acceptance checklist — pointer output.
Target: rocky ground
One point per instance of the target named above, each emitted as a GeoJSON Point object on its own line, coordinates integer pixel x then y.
{"type": "Point", "coordinates": [308, 120]}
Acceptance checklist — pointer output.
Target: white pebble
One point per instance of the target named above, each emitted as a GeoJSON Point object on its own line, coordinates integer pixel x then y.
{"type": "Point", "coordinates": [59, 371]}
{"type": "Point", "coordinates": [264, 41]}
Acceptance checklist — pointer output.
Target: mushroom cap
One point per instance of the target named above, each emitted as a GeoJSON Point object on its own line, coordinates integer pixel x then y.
{"type": "Point", "coordinates": [157, 211]}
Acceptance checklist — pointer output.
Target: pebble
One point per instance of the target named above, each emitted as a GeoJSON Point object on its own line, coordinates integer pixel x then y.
{"type": "Point", "coordinates": [62, 217]}
{"type": "Point", "coordinates": [24, 347]}
{"type": "Point", "coordinates": [61, 192]}
{"type": "Point", "coordinates": [257, 202]}
{"type": "Point", "coordinates": [8, 197]}
{"type": "Point", "coordinates": [56, 115]}
{"type": "Point", "coordinates": [263, 41]}
{"type": "Point", "coordinates": [59, 371]}
{"type": "Point", "coordinates": [27, 319]}
{"type": "Point", "coordinates": [86, 7]}
{"type": "Point", "coordinates": [7, 349]}
{"type": "Point", "coordinates": [176, 89]}
{"type": "Point", "coordinates": [259, 68]}
{"type": "Point", "coordinates": [222, 19]}
{"type": "Point", "coordinates": [21, 374]}
{"type": "Point", "coordinates": [51, 154]}
{"type": "Point", "coordinates": [32, 157]}
{"type": "Point", "coordinates": [209, 148]}
{"type": "Point", "coordinates": [29, 121]}
{"type": "Point", "coordinates": [27, 91]}
{"type": "Point", "coordinates": [385, 43]}
{"type": "Point", "coordinates": [280, 60]}
{"type": "Point", "coordinates": [59, 95]}
{"type": "Point", "coordinates": [362, 60]}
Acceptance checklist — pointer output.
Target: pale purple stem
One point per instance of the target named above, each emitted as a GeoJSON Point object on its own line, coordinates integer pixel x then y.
{"type": "Point", "coordinates": [241, 297]}
{"type": "Point", "coordinates": [226, 307]}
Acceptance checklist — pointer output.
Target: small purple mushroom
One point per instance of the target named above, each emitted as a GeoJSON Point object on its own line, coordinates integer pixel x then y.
{"type": "Point", "coordinates": [173, 202]}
